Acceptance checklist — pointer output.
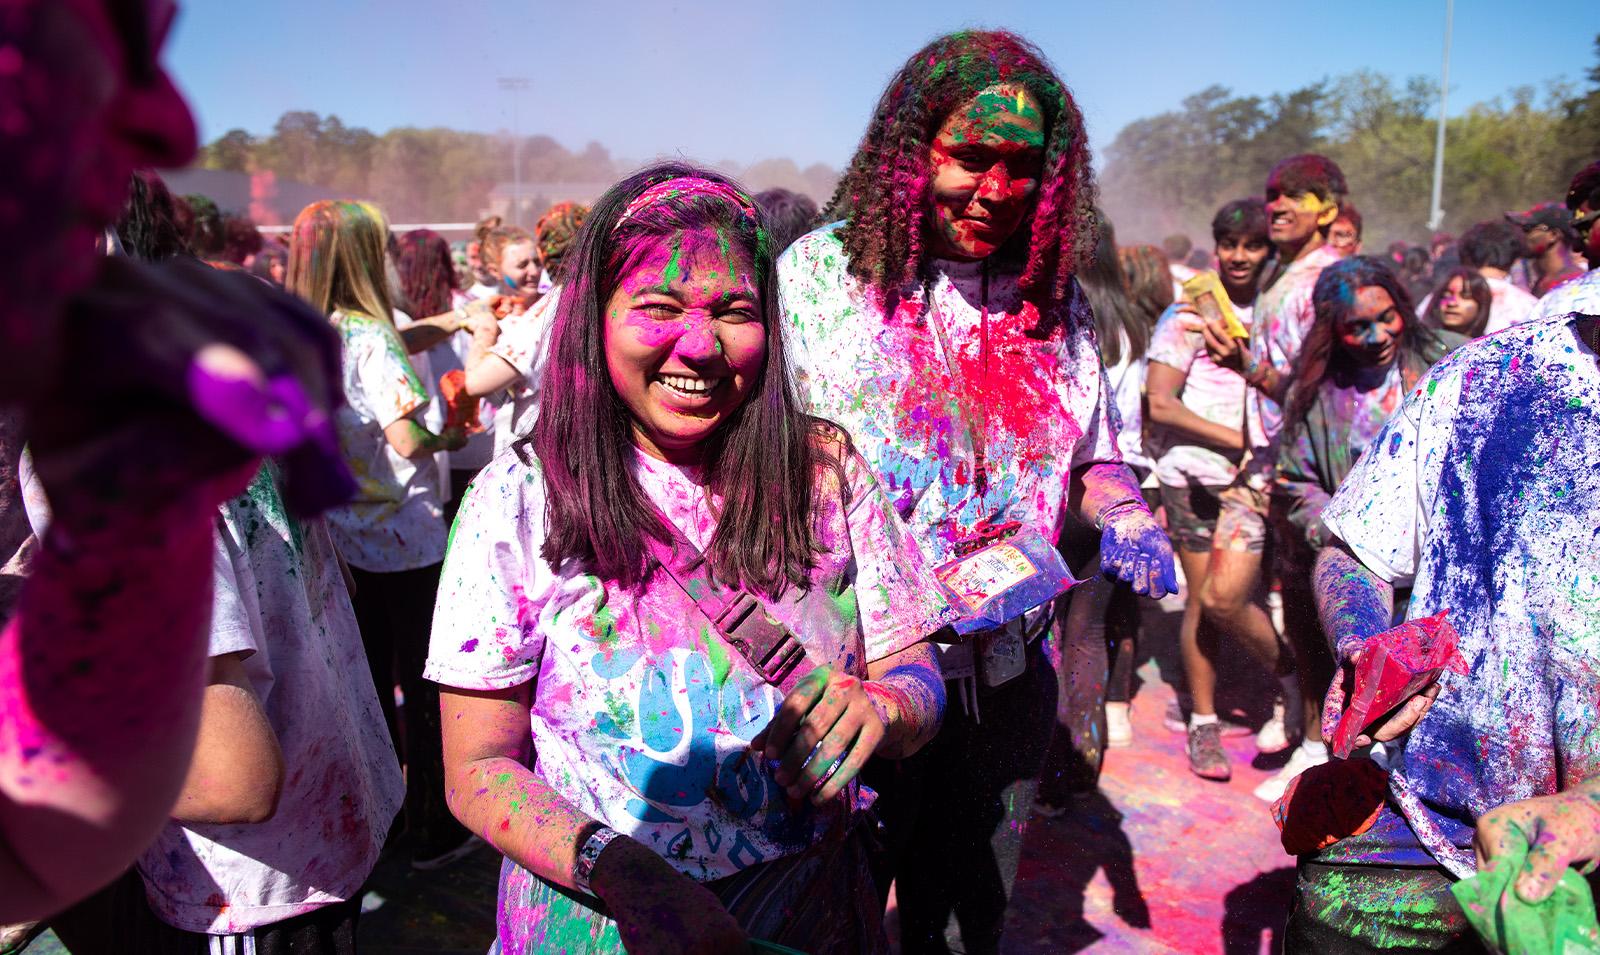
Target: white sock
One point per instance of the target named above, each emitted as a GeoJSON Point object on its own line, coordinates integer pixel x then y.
{"type": "Point", "coordinates": [1316, 749]}
{"type": "Point", "coordinates": [1198, 719]}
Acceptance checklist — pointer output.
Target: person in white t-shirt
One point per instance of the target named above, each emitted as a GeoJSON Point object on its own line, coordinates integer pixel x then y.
{"type": "Point", "coordinates": [392, 534]}
{"type": "Point", "coordinates": [668, 798]}
{"type": "Point", "coordinates": [1492, 248]}
{"type": "Point", "coordinates": [507, 363]}
{"type": "Point", "coordinates": [294, 781]}
{"type": "Point", "coordinates": [1303, 194]}
{"type": "Point", "coordinates": [1481, 495]}
{"type": "Point", "coordinates": [1197, 410]}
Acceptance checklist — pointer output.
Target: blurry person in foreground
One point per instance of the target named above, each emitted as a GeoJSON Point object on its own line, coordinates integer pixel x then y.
{"type": "Point", "coordinates": [180, 378]}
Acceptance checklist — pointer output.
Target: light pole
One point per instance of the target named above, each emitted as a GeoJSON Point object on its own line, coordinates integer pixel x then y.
{"type": "Point", "coordinates": [515, 85]}
{"type": "Point", "coordinates": [1436, 213]}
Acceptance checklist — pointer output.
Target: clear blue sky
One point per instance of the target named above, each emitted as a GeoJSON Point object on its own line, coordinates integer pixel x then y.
{"type": "Point", "coordinates": [751, 79]}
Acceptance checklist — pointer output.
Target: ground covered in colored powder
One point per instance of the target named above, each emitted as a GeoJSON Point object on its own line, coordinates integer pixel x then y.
{"type": "Point", "coordinates": [1163, 862]}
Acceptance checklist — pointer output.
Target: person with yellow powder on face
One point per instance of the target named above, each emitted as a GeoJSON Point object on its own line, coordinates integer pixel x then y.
{"type": "Point", "coordinates": [1303, 197]}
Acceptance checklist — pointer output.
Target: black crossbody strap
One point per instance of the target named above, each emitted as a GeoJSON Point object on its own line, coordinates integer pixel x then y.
{"type": "Point", "coordinates": [739, 617]}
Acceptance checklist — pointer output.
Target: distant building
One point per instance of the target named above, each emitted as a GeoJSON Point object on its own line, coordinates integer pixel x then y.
{"type": "Point", "coordinates": [535, 197]}
{"type": "Point", "coordinates": [262, 196]}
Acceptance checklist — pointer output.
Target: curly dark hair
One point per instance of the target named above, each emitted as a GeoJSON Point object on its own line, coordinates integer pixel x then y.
{"type": "Point", "coordinates": [886, 192]}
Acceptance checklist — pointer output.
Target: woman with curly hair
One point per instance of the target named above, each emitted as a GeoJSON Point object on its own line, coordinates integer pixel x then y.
{"type": "Point", "coordinates": [940, 323]}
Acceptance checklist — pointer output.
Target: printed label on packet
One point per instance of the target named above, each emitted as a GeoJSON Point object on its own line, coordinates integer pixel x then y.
{"type": "Point", "coordinates": [990, 572]}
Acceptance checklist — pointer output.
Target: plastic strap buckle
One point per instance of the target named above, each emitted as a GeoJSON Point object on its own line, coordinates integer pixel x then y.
{"type": "Point", "coordinates": [767, 644]}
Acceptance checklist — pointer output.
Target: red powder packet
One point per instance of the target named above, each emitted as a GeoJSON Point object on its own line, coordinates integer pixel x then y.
{"type": "Point", "coordinates": [461, 409]}
{"type": "Point", "coordinates": [1395, 665]}
{"type": "Point", "coordinates": [1326, 803]}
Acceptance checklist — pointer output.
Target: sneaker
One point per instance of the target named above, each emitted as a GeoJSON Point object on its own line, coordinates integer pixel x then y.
{"type": "Point", "coordinates": [1273, 737]}
{"type": "Point", "coordinates": [1206, 757]}
{"type": "Point", "coordinates": [429, 859]}
{"type": "Point", "coordinates": [1119, 729]}
{"type": "Point", "coordinates": [1175, 722]}
{"type": "Point", "coordinates": [1276, 785]}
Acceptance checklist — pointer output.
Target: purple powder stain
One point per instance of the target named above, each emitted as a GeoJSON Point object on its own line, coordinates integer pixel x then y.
{"type": "Point", "coordinates": [470, 645]}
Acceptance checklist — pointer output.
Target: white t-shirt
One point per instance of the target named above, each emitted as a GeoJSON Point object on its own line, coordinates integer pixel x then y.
{"type": "Point", "coordinates": [433, 416]}
{"type": "Point", "coordinates": [1482, 494]}
{"type": "Point", "coordinates": [1214, 393]}
{"type": "Point", "coordinates": [1127, 396]}
{"type": "Point", "coordinates": [280, 597]}
{"type": "Point", "coordinates": [641, 715]}
{"type": "Point", "coordinates": [524, 344]}
{"type": "Point", "coordinates": [1510, 305]}
{"type": "Point", "coordinates": [395, 521]}
{"type": "Point", "coordinates": [1042, 402]}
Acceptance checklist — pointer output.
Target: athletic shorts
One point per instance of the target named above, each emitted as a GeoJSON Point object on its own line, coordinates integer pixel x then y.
{"type": "Point", "coordinates": [1242, 523]}
{"type": "Point", "coordinates": [1192, 512]}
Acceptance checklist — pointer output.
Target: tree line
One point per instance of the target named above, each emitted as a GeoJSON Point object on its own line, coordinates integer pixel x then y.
{"type": "Point", "coordinates": [1169, 173]}
{"type": "Point", "coordinates": [1162, 174]}
{"type": "Point", "coordinates": [438, 174]}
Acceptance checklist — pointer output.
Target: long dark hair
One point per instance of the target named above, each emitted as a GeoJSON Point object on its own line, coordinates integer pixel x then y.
{"type": "Point", "coordinates": [1473, 286]}
{"type": "Point", "coordinates": [885, 194]}
{"type": "Point", "coordinates": [1115, 314]}
{"type": "Point", "coordinates": [1333, 298]}
{"type": "Point", "coordinates": [763, 461]}
{"type": "Point", "coordinates": [427, 274]}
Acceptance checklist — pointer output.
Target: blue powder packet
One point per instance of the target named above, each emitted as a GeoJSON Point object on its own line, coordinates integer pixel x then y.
{"type": "Point", "coordinates": [1004, 580]}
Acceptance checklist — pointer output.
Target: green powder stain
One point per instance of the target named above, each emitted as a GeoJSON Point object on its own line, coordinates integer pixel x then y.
{"type": "Point", "coordinates": [717, 653]}
{"type": "Point", "coordinates": [674, 270]}
{"type": "Point", "coordinates": [621, 712]}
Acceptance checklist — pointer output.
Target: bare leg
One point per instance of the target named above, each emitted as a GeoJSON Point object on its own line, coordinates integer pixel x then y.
{"type": "Point", "coordinates": [1198, 669]}
{"type": "Point", "coordinates": [1227, 600]}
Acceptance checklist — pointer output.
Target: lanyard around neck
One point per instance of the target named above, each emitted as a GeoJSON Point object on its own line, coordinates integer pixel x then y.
{"type": "Point", "coordinates": [974, 413]}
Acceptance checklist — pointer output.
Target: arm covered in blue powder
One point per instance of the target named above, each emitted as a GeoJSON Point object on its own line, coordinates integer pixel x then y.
{"type": "Point", "coordinates": [1133, 547]}
{"type": "Point", "coordinates": [1353, 603]}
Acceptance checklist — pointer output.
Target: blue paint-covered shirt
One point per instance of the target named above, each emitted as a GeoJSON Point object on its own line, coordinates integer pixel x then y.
{"type": "Point", "coordinates": [1483, 494]}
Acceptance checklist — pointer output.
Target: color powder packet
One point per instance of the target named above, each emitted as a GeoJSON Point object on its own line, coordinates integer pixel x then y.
{"type": "Point", "coordinates": [1563, 924]}
{"type": "Point", "coordinates": [1004, 580]}
{"type": "Point", "coordinates": [1205, 292]}
{"type": "Point", "coordinates": [461, 409]}
{"type": "Point", "coordinates": [1394, 666]}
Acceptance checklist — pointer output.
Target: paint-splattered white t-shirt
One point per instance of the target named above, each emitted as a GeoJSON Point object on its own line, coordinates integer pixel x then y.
{"type": "Point", "coordinates": [280, 597]}
{"type": "Point", "coordinates": [641, 714]}
{"type": "Point", "coordinates": [1038, 396]}
{"type": "Point", "coordinates": [1214, 393]}
{"type": "Point", "coordinates": [1482, 494]}
{"type": "Point", "coordinates": [395, 521]}
{"type": "Point", "coordinates": [524, 344]}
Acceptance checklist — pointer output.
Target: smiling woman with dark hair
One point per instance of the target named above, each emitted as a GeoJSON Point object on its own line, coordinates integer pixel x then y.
{"type": "Point", "coordinates": [681, 788]}
{"type": "Point", "coordinates": [941, 324]}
